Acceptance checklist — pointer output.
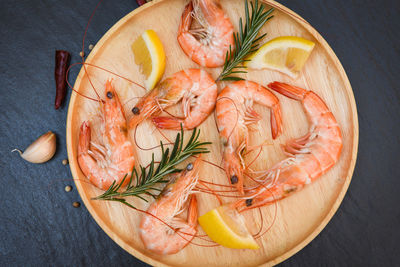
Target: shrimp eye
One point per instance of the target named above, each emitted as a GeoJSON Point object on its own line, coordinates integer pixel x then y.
{"type": "Point", "coordinates": [110, 95]}
{"type": "Point", "coordinates": [289, 190]}
{"type": "Point", "coordinates": [234, 179]}
{"type": "Point", "coordinates": [189, 167]}
{"type": "Point", "coordinates": [249, 202]}
{"type": "Point", "coordinates": [136, 111]}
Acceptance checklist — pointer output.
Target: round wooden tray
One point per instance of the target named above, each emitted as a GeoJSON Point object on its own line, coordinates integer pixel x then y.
{"type": "Point", "coordinates": [299, 217]}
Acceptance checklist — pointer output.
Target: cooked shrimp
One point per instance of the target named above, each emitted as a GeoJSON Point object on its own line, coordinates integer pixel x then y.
{"type": "Point", "coordinates": [234, 112]}
{"type": "Point", "coordinates": [104, 164]}
{"type": "Point", "coordinates": [155, 232]}
{"type": "Point", "coordinates": [194, 87]}
{"type": "Point", "coordinates": [208, 44]}
{"type": "Point", "coordinates": [310, 156]}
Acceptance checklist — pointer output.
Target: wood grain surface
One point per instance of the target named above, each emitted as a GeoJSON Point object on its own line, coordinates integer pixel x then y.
{"type": "Point", "coordinates": [300, 217]}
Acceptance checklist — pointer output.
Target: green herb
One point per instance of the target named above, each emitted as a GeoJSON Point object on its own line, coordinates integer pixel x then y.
{"type": "Point", "coordinates": [150, 176]}
{"type": "Point", "coordinates": [245, 41]}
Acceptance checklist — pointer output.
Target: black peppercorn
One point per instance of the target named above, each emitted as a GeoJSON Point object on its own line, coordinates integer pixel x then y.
{"type": "Point", "coordinates": [109, 95]}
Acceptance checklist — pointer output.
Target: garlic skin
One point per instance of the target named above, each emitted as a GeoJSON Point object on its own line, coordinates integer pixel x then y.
{"type": "Point", "coordinates": [41, 150]}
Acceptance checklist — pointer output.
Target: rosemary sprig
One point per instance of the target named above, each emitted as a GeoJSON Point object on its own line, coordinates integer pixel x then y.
{"type": "Point", "coordinates": [245, 41]}
{"type": "Point", "coordinates": [150, 176]}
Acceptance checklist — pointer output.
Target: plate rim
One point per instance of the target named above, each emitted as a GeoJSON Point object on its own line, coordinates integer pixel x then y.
{"type": "Point", "coordinates": [317, 230]}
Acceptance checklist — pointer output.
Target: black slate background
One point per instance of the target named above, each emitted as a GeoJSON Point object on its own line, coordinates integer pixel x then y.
{"type": "Point", "coordinates": [39, 226]}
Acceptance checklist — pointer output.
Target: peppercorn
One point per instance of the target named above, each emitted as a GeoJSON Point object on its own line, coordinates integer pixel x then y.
{"type": "Point", "coordinates": [68, 188]}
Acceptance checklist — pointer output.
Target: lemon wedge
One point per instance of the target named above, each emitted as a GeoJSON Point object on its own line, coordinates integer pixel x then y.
{"type": "Point", "coordinates": [149, 54]}
{"type": "Point", "coordinates": [286, 54]}
{"type": "Point", "coordinates": [227, 227]}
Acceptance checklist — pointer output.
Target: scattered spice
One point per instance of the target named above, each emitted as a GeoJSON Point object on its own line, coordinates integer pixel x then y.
{"type": "Point", "coordinates": [76, 204]}
{"type": "Point", "coordinates": [65, 162]}
{"type": "Point", "coordinates": [60, 71]}
{"type": "Point", "coordinates": [91, 47]}
{"type": "Point", "coordinates": [68, 188]}
{"type": "Point", "coordinates": [41, 150]}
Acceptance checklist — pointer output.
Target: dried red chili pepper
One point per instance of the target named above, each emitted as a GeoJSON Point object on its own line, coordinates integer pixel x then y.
{"type": "Point", "coordinates": [141, 2]}
{"type": "Point", "coordinates": [60, 70]}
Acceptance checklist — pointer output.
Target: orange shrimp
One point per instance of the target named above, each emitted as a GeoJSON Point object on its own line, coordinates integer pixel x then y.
{"type": "Point", "coordinates": [154, 228]}
{"type": "Point", "coordinates": [310, 156]}
{"type": "Point", "coordinates": [208, 44]}
{"type": "Point", "coordinates": [234, 114]}
{"type": "Point", "coordinates": [197, 90]}
{"type": "Point", "coordinates": [103, 165]}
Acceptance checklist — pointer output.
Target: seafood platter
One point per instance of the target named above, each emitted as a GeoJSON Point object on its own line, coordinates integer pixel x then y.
{"type": "Point", "coordinates": [212, 133]}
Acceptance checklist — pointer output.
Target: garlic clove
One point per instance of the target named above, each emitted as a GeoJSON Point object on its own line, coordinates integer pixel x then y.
{"type": "Point", "coordinates": [41, 150]}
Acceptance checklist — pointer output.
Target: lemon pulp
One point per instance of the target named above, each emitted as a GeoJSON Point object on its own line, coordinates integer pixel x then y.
{"type": "Point", "coordinates": [286, 54]}
{"type": "Point", "coordinates": [150, 56]}
{"type": "Point", "coordinates": [226, 226]}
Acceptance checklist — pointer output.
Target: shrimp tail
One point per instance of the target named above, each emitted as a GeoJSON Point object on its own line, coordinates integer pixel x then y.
{"type": "Point", "coordinates": [288, 90]}
{"type": "Point", "coordinates": [211, 9]}
{"type": "Point", "coordinates": [168, 123]}
{"type": "Point", "coordinates": [84, 138]}
{"type": "Point", "coordinates": [186, 19]}
{"type": "Point", "coordinates": [192, 211]}
{"type": "Point", "coordinates": [276, 122]}
{"type": "Point", "coordinates": [192, 216]}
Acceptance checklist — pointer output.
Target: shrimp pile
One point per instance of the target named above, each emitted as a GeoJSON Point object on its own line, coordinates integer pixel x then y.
{"type": "Point", "coordinates": [104, 164]}
{"type": "Point", "coordinates": [234, 113]}
{"type": "Point", "coordinates": [310, 156]}
{"type": "Point", "coordinates": [195, 88]}
{"type": "Point", "coordinates": [162, 228]}
{"type": "Point", "coordinates": [207, 44]}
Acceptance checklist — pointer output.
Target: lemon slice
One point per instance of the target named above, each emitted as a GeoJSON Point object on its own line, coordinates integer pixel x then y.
{"type": "Point", "coordinates": [227, 227]}
{"type": "Point", "coordinates": [286, 54]}
{"type": "Point", "coordinates": [149, 54]}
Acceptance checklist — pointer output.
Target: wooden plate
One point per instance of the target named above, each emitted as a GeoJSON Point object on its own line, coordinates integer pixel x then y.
{"type": "Point", "coordinates": [300, 217]}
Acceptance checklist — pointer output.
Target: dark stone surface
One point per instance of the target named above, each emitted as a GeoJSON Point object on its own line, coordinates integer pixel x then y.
{"type": "Point", "coordinates": [39, 226]}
